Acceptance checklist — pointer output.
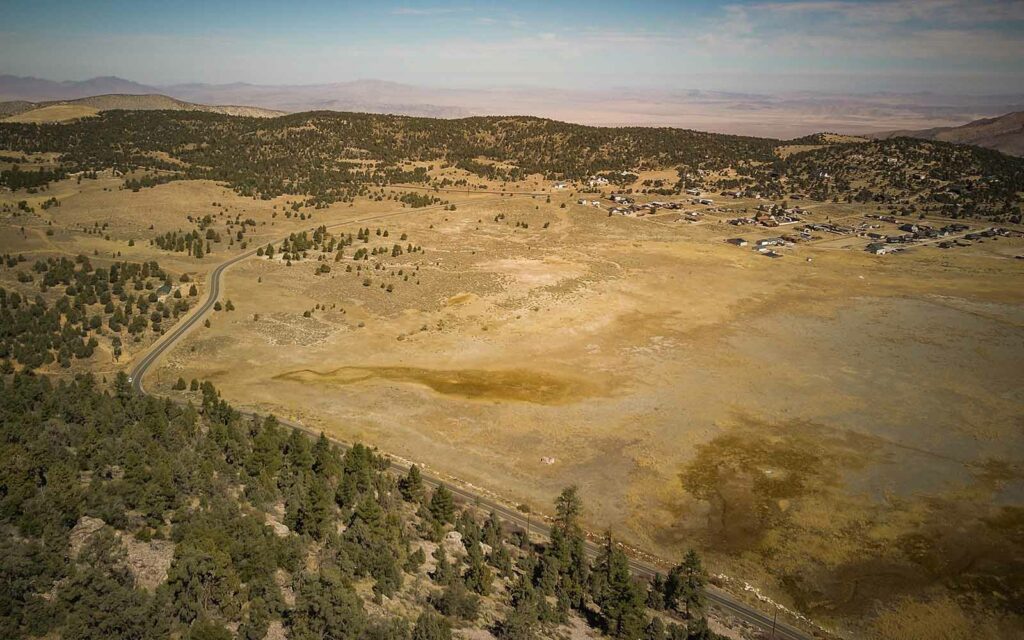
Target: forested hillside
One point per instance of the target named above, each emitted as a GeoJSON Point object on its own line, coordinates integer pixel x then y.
{"type": "Point", "coordinates": [953, 180]}
{"type": "Point", "coordinates": [125, 516]}
{"type": "Point", "coordinates": [62, 308]}
{"type": "Point", "coordinates": [318, 153]}
{"type": "Point", "coordinates": [329, 157]}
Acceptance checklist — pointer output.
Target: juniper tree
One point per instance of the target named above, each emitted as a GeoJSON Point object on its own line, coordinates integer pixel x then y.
{"type": "Point", "coordinates": [431, 626]}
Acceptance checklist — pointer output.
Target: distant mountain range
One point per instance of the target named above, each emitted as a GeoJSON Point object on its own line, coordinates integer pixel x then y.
{"type": "Point", "coordinates": [783, 115]}
{"type": "Point", "coordinates": [1004, 133]}
{"type": "Point", "coordinates": [38, 90]}
{"type": "Point", "coordinates": [369, 96]}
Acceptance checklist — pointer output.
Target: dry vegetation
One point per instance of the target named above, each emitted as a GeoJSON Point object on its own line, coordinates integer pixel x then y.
{"type": "Point", "coordinates": [840, 429]}
{"type": "Point", "coordinates": [53, 113]}
{"type": "Point", "coordinates": [791, 417]}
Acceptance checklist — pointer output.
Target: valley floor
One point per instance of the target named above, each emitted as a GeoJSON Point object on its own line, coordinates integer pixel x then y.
{"type": "Point", "coordinates": [839, 429]}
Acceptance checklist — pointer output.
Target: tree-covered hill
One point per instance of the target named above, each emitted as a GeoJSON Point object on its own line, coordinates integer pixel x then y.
{"type": "Point", "coordinates": [313, 153]}
{"type": "Point", "coordinates": [954, 180]}
{"type": "Point", "coordinates": [126, 516]}
{"type": "Point", "coordinates": [330, 156]}
{"type": "Point", "coordinates": [60, 309]}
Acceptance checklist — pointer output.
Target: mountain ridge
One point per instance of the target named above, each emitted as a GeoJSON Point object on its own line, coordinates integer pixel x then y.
{"type": "Point", "coordinates": [783, 115]}
{"type": "Point", "coordinates": [26, 111]}
{"type": "Point", "coordinates": [1003, 133]}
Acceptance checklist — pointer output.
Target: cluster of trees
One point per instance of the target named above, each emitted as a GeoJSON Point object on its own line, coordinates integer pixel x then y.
{"type": "Point", "coordinates": [202, 481]}
{"type": "Point", "coordinates": [321, 246]}
{"type": "Point", "coordinates": [417, 200]}
{"type": "Point", "coordinates": [16, 178]}
{"type": "Point", "coordinates": [313, 154]}
{"type": "Point", "coordinates": [321, 156]}
{"type": "Point", "coordinates": [75, 304]}
{"type": "Point", "coordinates": [191, 242]}
{"type": "Point", "coordinates": [150, 180]}
{"type": "Point", "coordinates": [948, 179]}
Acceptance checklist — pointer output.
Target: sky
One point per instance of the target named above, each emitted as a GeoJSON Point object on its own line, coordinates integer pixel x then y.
{"type": "Point", "coordinates": [951, 46]}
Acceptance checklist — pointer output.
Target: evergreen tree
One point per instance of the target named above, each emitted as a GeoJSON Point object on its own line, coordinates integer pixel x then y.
{"type": "Point", "coordinates": [100, 596]}
{"type": "Point", "coordinates": [478, 575]}
{"type": "Point", "coordinates": [693, 581]}
{"type": "Point", "coordinates": [326, 607]}
{"type": "Point", "coordinates": [566, 554]}
{"type": "Point", "coordinates": [411, 485]}
{"type": "Point", "coordinates": [656, 593]}
{"type": "Point", "coordinates": [442, 504]}
{"type": "Point", "coordinates": [620, 598]}
{"type": "Point", "coordinates": [443, 572]}
{"type": "Point", "coordinates": [655, 630]}
{"type": "Point", "coordinates": [684, 586]}
{"type": "Point", "coordinates": [202, 581]}
{"type": "Point", "coordinates": [430, 626]}
{"type": "Point", "coordinates": [493, 533]}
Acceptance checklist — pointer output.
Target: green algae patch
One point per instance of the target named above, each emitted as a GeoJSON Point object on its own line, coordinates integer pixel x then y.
{"type": "Point", "coordinates": [516, 385]}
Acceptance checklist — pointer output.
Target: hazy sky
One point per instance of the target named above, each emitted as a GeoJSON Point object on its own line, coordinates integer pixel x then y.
{"type": "Point", "coordinates": [964, 46]}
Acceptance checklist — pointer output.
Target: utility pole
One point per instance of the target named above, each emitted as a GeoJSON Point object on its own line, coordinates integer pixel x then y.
{"type": "Point", "coordinates": [525, 508]}
{"type": "Point", "coordinates": [774, 619]}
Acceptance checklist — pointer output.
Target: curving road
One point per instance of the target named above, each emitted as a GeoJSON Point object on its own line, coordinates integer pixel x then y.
{"type": "Point", "coordinates": [715, 596]}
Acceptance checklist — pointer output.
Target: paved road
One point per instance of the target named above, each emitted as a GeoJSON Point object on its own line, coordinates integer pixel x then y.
{"type": "Point", "coordinates": [168, 340]}
{"type": "Point", "coordinates": [510, 514]}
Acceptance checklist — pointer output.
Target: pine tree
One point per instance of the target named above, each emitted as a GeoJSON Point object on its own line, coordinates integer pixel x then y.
{"type": "Point", "coordinates": [325, 460]}
{"type": "Point", "coordinates": [656, 593]}
{"type": "Point", "coordinates": [478, 575]}
{"type": "Point", "coordinates": [620, 598]}
{"type": "Point", "coordinates": [442, 504]}
{"type": "Point", "coordinates": [693, 584]}
{"type": "Point", "coordinates": [567, 550]}
{"type": "Point", "coordinates": [655, 630]}
{"type": "Point", "coordinates": [524, 617]}
{"type": "Point", "coordinates": [443, 573]}
{"type": "Point", "coordinates": [326, 607]}
{"type": "Point", "coordinates": [501, 560]}
{"type": "Point", "coordinates": [415, 560]}
{"type": "Point", "coordinates": [411, 485]}
{"type": "Point", "coordinates": [493, 535]}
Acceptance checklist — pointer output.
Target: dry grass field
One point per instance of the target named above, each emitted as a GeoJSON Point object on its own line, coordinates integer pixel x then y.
{"type": "Point", "coordinates": [53, 113]}
{"type": "Point", "coordinates": [842, 430]}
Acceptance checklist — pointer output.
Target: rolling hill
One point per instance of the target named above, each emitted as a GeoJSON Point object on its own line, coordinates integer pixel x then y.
{"type": "Point", "coordinates": [65, 110]}
{"type": "Point", "coordinates": [320, 155]}
{"type": "Point", "coordinates": [776, 115]}
{"type": "Point", "coordinates": [1004, 133]}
